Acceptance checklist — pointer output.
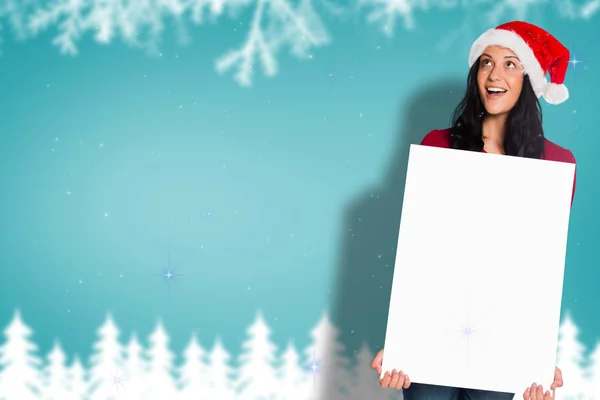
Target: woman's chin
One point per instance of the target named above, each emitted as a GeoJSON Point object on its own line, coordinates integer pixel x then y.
{"type": "Point", "coordinates": [495, 112]}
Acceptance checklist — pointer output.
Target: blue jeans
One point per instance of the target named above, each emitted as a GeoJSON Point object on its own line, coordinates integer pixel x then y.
{"type": "Point", "coordinates": [420, 391]}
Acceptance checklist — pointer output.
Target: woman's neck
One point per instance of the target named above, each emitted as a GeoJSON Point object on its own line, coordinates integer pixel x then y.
{"type": "Point", "coordinates": [493, 129]}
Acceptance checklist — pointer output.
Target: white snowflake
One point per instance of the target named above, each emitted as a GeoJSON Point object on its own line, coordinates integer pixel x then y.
{"type": "Point", "coordinates": [13, 13]}
{"type": "Point", "coordinates": [275, 23]}
{"type": "Point", "coordinates": [573, 9]}
{"type": "Point", "coordinates": [384, 13]}
{"type": "Point", "coordinates": [68, 14]}
{"type": "Point", "coordinates": [274, 26]}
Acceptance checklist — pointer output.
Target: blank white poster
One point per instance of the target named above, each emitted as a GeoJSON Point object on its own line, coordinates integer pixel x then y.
{"type": "Point", "coordinates": [477, 286]}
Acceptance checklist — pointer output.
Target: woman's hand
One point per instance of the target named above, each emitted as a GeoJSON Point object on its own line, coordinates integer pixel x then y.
{"type": "Point", "coordinates": [394, 380]}
{"type": "Point", "coordinates": [535, 392]}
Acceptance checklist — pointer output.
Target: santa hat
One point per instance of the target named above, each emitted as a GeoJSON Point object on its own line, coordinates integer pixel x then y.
{"type": "Point", "coordinates": [539, 52]}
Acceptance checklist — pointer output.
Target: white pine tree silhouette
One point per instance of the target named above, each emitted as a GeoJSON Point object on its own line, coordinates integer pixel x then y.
{"type": "Point", "coordinates": [134, 368]}
{"type": "Point", "coordinates": [18, 363]}
{"type": "Point", "coordinates": [106, 362]}
{"type": "Point", "coordinates": [593, 375]}
{"type": "Point", "coordinates": [325, 358]}
{"type": "Point", "coordinates": [55, 374]}
{"type": "Point", "coordinates": [76, 380]}
{"type": "Point", "coordinates": [570, 360]}
{"type": "Point", "coordinates": [159, 382]}
{"type": "Point", "coordinates": [293, 379]}
{"type": "Point", "coordinates": [365, 382]}
{"type": "Point", "coordinates": [220, 373]}
{"type": "Point", "coordinates": [193, 372]}
{"type": "Point", "coordinates": [256, 371]}
{"type": "Point", "coordinates": [21, 374]}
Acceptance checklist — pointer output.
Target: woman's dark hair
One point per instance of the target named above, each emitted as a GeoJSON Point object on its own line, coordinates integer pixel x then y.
{"type": "Point", "coordinates": [524, 136]}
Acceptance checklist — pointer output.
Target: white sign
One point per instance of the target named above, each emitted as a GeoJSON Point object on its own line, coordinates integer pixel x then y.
{"type": "Point", "coordinates": [477, 286]}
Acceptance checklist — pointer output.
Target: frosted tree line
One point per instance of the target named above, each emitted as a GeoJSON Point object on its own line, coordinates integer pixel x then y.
{"type": "Point", "coordinates": [262, 371]}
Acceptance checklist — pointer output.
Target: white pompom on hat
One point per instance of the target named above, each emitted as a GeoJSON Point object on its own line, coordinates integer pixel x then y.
{"type": "Point", "coordinates": [539, 52]}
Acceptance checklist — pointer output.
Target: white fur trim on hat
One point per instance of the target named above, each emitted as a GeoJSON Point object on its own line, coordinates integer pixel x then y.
{"type": "Point", "coordinates": [555, 93]}
{"type": "Point", "coordinates": [514, 42]}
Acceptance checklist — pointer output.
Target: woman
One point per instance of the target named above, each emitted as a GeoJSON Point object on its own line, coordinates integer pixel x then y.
{"type": "Point", "coordinates": [500, 113]}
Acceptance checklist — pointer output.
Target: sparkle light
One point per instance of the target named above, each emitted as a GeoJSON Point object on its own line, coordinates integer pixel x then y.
{"type": "Point", "coordinates": [117, 380]}
{"type": "Point", "coordinates": [330, 76]}
{"type": "Point", "coordinates": [315, 367]}
{"type": "Point", "coordinates": [169, 273]}
{"type": "Point", "coordinates": [575, 61]}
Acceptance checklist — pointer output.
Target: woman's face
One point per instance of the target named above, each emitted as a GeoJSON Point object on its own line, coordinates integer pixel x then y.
{"type": "Point", "coordinates": [500, 79]}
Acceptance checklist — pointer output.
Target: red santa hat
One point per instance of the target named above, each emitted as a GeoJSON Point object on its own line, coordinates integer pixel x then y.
{"type": "Point", "coordinates": [539, 52]}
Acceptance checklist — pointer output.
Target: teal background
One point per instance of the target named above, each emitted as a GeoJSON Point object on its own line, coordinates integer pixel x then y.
{"type": "Point", "coordinates": [282, 197]}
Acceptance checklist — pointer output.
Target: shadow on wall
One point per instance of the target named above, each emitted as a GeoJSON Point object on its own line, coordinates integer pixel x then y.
{"type": "Point", "coordinates": [371, 224]}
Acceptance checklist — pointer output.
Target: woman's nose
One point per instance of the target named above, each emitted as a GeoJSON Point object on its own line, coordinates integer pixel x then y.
{"type": "Point", "coordinates": [495, 74]}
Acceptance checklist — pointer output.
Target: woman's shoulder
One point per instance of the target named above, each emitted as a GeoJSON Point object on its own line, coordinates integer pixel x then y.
{"type": "Point", "coordinates": [554, 152]}
{"type": "Point", "coordinates": [437, 138]}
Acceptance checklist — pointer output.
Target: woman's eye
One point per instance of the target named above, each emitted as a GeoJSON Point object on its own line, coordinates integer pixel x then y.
{"type": "Point", "coordinates": [511, 64]}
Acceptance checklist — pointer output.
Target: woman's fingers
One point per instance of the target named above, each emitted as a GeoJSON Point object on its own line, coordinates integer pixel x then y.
{"type": "Point", "coordinates": [401, 379]}
{"type": "Point", "coordinates": [395, 377]}
{"type": "Point", "coordinates": [406, 382]}
{"type": "Point", "coordinates": [395, 380]}
{"type": "Point", "coordinates": [540, 393]}
{"type": "Point", "coordinates": [533, 393]}
{"type": "Point", "coordinates": [536, 392]}
{"type": "Point", "coordinates": [385, 381]}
